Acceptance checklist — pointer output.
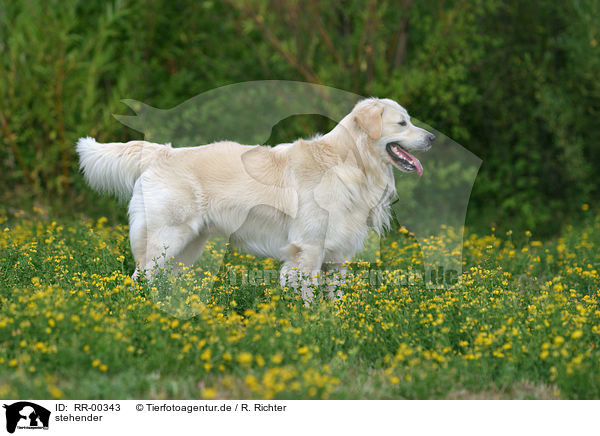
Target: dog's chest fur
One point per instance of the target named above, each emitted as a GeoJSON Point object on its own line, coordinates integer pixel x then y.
{"type": "Point", "coordinates": [346, 195]}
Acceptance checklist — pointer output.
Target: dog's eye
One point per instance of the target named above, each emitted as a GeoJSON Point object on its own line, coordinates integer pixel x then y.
{"type": "Point", "coordinates": [402, 123]}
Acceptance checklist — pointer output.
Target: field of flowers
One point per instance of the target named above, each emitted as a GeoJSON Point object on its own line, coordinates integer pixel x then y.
{"type": "Point", "coordinates": [524, 322]}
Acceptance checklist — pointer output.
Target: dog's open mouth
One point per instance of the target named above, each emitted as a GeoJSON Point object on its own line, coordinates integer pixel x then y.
{"type": "Point", "coordinates": [402, 159]}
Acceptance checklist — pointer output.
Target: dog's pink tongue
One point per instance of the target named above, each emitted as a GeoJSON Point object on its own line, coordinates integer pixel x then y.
{"type": "Point", "coordinates": [413, 160]}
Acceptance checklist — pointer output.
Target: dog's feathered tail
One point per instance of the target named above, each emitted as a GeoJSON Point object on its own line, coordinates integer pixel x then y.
{"type": "Point", "coordinates": [115, 167]}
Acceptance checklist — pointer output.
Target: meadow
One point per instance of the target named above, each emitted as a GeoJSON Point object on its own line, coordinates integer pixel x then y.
{"type": "Point", "coordinates": [524, 322]}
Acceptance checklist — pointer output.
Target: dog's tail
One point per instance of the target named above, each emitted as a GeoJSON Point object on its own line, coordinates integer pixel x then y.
{"type": "Point", "coordinates": [114, 167]}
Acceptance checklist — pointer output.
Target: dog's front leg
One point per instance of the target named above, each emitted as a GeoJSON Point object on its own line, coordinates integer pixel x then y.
{"type": "Point", "coordinates": [288, 276]}
{"type": "Point", "coordinates": [303, 271]}
{"type": "Point", "coordinates": [336, 277]}
{"type": "Point", "coordinates": [310, 260]}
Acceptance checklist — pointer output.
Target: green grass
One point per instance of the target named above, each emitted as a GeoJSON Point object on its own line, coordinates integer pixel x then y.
{"type": "Point", "coordinates": [523, 323]}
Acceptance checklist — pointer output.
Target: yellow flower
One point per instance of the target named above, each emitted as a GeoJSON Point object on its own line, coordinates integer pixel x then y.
{"type": "Point", "coordinates": [251, 381]}
{"type": "Point", "coordinates": [244, 358]}
{"type": "Point", "coordinates": [206, 354]}
{"type": "Point", "coordinates": [576, 334]}
{"type": "Point", "coordinates": [55, 392]}
{"type": "Point", "coordinates": [208, 393]}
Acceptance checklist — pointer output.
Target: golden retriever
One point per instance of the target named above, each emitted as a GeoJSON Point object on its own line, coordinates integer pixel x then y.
{"type": "Point", "coordinates": [305, 203]}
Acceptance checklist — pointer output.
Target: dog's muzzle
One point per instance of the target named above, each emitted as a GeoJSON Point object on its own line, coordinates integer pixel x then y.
{"type": "Point", "coordinates": [402, 159]}
{"type": "Point", "coordinates": [405, 161]}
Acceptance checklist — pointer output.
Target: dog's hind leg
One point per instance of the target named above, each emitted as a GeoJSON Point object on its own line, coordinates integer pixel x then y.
{"type": "Point", "coordinates": [166, 244]}
{"type": "Point", "coordinates": [138, 230]}
{"type": "Point", "coordinates": [192, 251]}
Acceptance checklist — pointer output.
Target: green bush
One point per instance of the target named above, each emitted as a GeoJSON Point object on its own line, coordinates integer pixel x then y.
{"type": "Point", "coordinates": [514, 82]}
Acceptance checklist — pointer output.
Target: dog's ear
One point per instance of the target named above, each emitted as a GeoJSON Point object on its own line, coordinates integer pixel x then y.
{"type": "Point", "coordinates": [368, 117]}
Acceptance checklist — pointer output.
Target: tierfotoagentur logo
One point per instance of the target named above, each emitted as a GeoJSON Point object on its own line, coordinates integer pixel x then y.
{"type": "Point", "coordinates": [424, 208]}
{"type": "Point", "coordinates": [25, 415]}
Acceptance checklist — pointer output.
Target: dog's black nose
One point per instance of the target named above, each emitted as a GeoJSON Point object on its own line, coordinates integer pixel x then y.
{"type": "Point", "coordinates": [431, 137]}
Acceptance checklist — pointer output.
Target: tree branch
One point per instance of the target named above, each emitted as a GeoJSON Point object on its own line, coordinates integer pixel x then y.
{"type": "Point", "coordinates": [365, 39]}
{"type": "Point", "coordinates": [10, 139]}
{"type": "Point", "coordinates": [306, 71]}
{"type": "Point", "coordinates": [60, 122]}
{"type": "Point", "coordinates": [445, 30]}
{"type": "Point", "coordinates": [318, 23]}
{"type": "Point", "coordinates": [401, 45]}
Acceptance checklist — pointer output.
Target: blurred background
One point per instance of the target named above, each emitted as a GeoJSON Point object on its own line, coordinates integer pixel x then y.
{"type": "Point", "coordinates": [515, 82]}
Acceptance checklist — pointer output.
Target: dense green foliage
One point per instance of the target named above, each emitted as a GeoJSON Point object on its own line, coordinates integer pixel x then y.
{"type": "Point", "coordinates": [513, 81]}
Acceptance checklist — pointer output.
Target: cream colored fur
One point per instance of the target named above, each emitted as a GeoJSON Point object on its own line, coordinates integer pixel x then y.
{"type": "Point", "coordinates": [305, 203]}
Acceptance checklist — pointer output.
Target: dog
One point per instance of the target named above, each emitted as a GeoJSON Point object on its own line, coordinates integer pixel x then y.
{"type": "Point", "coordinates": [306, 203]}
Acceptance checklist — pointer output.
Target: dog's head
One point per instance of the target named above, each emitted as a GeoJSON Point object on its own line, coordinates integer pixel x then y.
{"type": "Point", "coordinates": [390, 133]}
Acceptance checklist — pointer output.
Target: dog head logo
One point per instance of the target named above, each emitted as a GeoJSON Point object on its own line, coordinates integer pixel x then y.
{"type": "Point", "coordinates": [247, 112]}
{"type": "Point", "coordinates": [26, 415]}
